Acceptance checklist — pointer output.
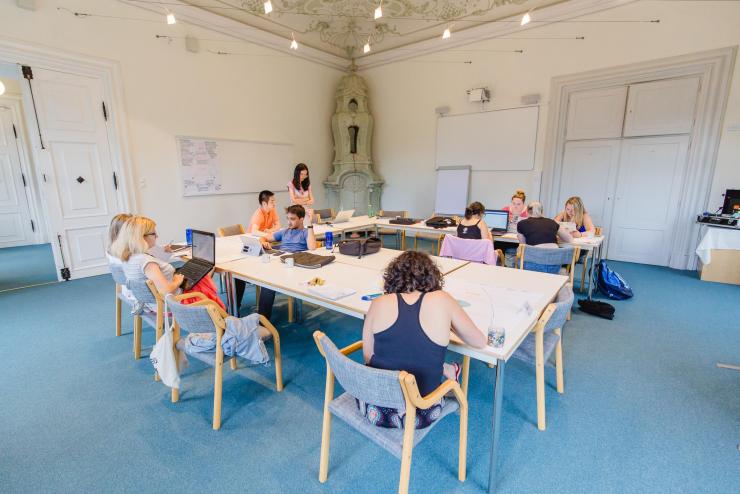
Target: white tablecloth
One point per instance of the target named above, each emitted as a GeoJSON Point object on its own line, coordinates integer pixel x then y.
{"type": "Point", "coordinates": [717, 238]}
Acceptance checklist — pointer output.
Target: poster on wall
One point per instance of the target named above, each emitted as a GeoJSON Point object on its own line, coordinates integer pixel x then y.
{"type": "Point", "coordinates": [199, 164]}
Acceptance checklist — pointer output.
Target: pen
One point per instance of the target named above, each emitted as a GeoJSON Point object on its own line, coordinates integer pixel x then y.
{"type": "Point", "coordinates": [371, 296]}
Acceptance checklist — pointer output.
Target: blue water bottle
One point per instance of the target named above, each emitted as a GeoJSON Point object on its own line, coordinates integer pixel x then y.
{"type": "Point", "coordinates": [189, 236]}
{"type": "Point", "coordinates": [329, 240]}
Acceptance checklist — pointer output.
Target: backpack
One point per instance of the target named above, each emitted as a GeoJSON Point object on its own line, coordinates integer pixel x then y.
{"type": "Point", "coordinates": [611, 284]}
{"type": "Point", "coordinates": [597, 308]}
{"type": "Point", "coordinates": [441, 222]}
{"type": "Point", "coordinates": [360, 247]}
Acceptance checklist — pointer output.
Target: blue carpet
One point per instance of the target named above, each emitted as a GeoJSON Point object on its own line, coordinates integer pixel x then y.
{"type": "Point", "coordinates": [645, 408]}
{"type": "Point", "coordinates": [25, 266]}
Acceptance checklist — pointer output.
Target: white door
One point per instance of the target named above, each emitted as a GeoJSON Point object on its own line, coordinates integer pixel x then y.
{"type": "Point", "coordinates": [651, 171]}
{"type": "Point", "coordinates": [589, 171]}
{"type": "Point", "coordinates": [661, 107]}
{"type": "Point", "coordinates": [596, 114]}
{"type": "Point", "coordinates": [16, 226]}
{"type": "Point", "coordinates": [77, 167]}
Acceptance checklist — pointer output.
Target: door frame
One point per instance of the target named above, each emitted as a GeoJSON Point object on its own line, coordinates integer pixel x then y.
{"type": "Point", "coordinates": [109, 72]}
{"type": "Point", "coordinates": [13, 102]}
{"type": "Point", "coordinates": [715, 69]}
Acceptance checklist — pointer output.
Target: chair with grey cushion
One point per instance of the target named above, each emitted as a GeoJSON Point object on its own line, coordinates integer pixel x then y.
{"type": "Point", "coordinates": [205, 316]}
{"type": "Point", "coordinates": [394, 389]}
{"type": "Point", "coordinates": [147, 297]}
{"type": "Point", "coordinates": [545, 339]}
{"type": "Point", "coordinates": [119, 278]}
{"type": "Point", "coordinates": [548, 259]}
{"type": "Point", "coordinates": [323, 215]}
{"type": "Point", "coordinates": [400, 234]}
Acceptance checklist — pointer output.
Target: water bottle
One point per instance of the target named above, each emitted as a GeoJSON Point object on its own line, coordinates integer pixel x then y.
{"type": "Point", "coordinates": [189, 236]}
{"type": "Point", "coordinates": [329, 240]}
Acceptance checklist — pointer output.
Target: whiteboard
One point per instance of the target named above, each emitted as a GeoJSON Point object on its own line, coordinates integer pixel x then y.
{"type": "Point", "coordinates": [225, 166]}
{"type": "Point", "coordinates": [452, 190]}
{"type": "Point", "coordinates": [489, 141]}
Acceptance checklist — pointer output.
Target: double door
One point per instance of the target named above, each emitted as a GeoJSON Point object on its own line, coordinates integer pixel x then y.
{"type": "Point", "coordinates": [16, 224]}
{"type": "Point", "coordinates": [625, 156]}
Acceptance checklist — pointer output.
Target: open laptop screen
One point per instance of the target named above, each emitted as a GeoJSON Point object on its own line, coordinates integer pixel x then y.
{"type": "Point", "coordinates": [204, 246]}
{"type": "Point", "coordinates": [496, 219]}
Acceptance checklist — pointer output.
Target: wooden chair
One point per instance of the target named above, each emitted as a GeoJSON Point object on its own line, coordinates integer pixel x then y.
{"type": "Point", "coordinates": [228, 231]}
{"type": "Point", "coordinates": [321, 215]}
{"type": "Point", "coordinates": [456, 248]}
{"type": "Point", "coordinates": [119, 277]}
{"type": "Point", "coordinates": [548, 259]}
{"type": "Point", "coordinates": [401, 242]}
{"type": "Point", "coordinates": [146, 295]}
{"type": "Point", "coordinates": [546, 338]}
{"type": "Point", "coordinates": [431, 236]}
{"type": "Point", "coordinates": [205, 316]}
{"type": "Point", "coordinates": [395, 389]}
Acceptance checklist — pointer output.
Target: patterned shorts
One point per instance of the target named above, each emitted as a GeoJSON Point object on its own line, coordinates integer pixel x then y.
{"type": "Point", "coordinates": [390, 418]}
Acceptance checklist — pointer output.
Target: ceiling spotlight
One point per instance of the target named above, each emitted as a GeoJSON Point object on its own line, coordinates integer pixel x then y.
{"type": "Point", "coordinates": [446, 34]}
{"type": "Point", "coordinates": [366, 48]}
{"type": "Point", "coordinates": [526, 18]}
{"type": "Point", "coordinates": [379, 10]}
{"type": "Point", "coordinates": [268, 7]}
{"type": "Point", "coordinates": [294, 43]}
{"type": "Point", "coordinates": [171, 18]}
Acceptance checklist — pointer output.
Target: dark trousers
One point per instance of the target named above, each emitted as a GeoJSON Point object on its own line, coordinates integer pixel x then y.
{"type": "Point", "coordinates": [267, 299]}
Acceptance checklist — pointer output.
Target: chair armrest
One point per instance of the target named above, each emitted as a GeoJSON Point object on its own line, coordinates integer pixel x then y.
{"type": "Point", "coordinates": [432, 398]}
{"type": "Point", "coordinates": [544, 318]}
{"type": "Point", "coordinates": [357, 345]}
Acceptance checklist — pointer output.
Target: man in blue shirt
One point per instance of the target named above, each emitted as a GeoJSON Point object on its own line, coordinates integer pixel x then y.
{"type": "Point", "coordinates": [295, 238]}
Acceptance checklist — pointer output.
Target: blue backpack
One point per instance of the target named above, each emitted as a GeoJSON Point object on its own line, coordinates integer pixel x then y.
{"type": "Point", "coordinates": [612, 284]}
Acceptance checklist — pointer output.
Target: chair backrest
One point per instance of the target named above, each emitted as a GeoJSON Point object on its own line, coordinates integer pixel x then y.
{"type": "Point", "coordinates": [323, 214]}
{"type": "Point", "coordinates": [227, 231]}
{"type": "Point", "coordinates": [375, 386]}
{"type": "Point", "coordinates": [547, 259]}
{"type": "Point", "coordinates": [392, 214]}
{"type": "Point", "coordinates": [476, 250]}
{"type": "Point", "coordinates": [116, 271]}
{"type": "Point", "coordinates": [141, 291]}
{"type": "Point", "coordinates": [191, 318]}
{"type": "Point", "coordinates": [563, 303]}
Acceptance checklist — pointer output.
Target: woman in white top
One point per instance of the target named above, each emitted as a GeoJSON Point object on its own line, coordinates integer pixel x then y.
{"type": "Point", "coordinates": [300, 187]}
{"type": "Point", "coordinates": [139, 234]}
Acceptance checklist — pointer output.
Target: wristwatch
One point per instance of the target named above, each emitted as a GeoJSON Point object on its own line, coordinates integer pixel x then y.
{"type": "Point", "coordinates": [310, 226]}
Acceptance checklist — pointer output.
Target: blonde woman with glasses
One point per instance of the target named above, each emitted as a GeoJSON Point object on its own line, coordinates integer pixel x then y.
{"type": "Point", "coordinates": [574, 212]}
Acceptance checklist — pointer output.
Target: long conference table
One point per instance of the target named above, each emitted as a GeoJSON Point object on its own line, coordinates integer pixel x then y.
{"type": "Point", "coordinates": [506, 297]}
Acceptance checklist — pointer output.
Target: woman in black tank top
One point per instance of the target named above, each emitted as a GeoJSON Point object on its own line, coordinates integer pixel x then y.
{"type": "Point", "coordinates": [473, 226]}
{"type": "Point", "coordinates": [404, 344]}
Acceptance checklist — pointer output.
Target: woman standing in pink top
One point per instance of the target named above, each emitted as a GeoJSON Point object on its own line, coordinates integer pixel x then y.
{"type": "Point", "coordinates": [300, 189]}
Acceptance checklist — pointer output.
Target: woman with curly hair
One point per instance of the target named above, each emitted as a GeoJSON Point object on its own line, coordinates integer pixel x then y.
{"type": "Point", "coordinates": [408, 329]}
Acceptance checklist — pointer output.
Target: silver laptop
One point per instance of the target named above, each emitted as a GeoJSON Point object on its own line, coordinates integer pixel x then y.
{"type": "Point", "coordinates": [343, 216]}
{"type": "Point", "coordinates": [253, 247]}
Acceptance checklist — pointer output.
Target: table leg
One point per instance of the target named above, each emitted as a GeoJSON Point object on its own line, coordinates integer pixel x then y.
{"type": "Point", "coordinates": [596, 250]}
{"type": "Point", "coordinates": [231, 307]}
{"type": "Point", "coordinates": [498, 397]}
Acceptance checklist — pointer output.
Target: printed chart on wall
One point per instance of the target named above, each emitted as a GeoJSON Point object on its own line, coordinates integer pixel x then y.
{"type": "Point", "coordinates": [200, 166]}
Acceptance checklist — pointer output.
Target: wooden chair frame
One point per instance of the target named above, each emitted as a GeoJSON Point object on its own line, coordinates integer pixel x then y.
{"type": "Point", "coordinates": [222, 231]}
{"type": "Point", "coordinates": [218, 316]}
{"type": "Point", "coordinates": [414, 401]}
{"type": "Point", "coordinates": [539, 345]}
{"type": "Point", "coordinates": [400, 234]}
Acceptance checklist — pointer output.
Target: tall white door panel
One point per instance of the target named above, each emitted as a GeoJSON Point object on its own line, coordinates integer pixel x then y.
{"type": "Point", "coordinates": [589, 171]}
{"type": "Point", "coordinates": [651, 171]}
{"type": "Point", "coordinates": [596, 114]}
{"type": "Point", "coordinates": [77, 166]}
{"type": "Point", "coordinates": [661, 107]}
{"type": "Point", "coordinates": [16, 227]}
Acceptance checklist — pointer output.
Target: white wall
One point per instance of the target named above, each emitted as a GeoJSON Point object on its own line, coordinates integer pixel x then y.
{"type": "Point", "coordinates": [169, 92]}
{"type": "Point", "coordinates": [404, 94]}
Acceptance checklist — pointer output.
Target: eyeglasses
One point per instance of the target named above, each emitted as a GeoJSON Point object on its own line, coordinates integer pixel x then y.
{"type": "Point", "coordinates": [150, 234]}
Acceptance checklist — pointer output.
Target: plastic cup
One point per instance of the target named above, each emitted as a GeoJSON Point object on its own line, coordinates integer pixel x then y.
{"type": "Point", "coordinates": [289, 262]}
{"type": "Point", "coordinates": [496, 336]}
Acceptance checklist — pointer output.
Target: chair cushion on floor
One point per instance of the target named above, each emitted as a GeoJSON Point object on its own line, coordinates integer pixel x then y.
{"type": "Point", "coordinates": [345, 407]}
{"type": "Point", "coordinates": [526, 351]}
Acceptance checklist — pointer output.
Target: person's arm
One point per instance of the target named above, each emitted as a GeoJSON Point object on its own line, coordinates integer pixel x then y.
{"type": "Point", "coordinates": [275, 226]}
{"type": "Point", "coordinates": [485, 232]}
{"type": "Point", "coordinates": [588, 223]}
{"type": "Point", "coordinates": [368, 337]}
{"type": "Point", "coordinates": [522, 239]}
{"type": "Point", "coordinates": [294, 199]}
{"type": "Point", "coordinates": [270, 237]}
{"type": "Point", "coordinates": [254, 223]}
{"type": "Point", "coordinates": [463, 326]}
{"type": "Point", "coordinates": [309, 199]}
{"type": "Point", "coordinates": [154, 273]}
{"type": "Point", "coordinates": [565, 235]}
{"type": "Point", "coordinates": [310, 237]}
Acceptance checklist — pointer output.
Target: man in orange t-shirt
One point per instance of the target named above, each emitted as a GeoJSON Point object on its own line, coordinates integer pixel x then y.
{"type": "Point", "coordinates": [265, 219]}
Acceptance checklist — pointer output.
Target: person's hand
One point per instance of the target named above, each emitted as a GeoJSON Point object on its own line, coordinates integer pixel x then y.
{"type": "Point", "coordinates": [309, 218]}
{"type": "Point", "coordinates": [168, 248]}
{"type": "Point", "coordinates": [178, 279]}
{"type": "Point", "coordinates": [575, 234]}
{"type": "Point", "coordinates": [265, 243]}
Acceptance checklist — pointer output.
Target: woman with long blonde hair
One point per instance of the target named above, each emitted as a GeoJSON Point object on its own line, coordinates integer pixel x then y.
{"type": "Point", "coordinates": [575, 212]}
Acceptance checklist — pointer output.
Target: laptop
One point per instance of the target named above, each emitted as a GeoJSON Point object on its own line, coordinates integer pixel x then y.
{"type": "Point", "coordinates": [343, 216]}
{"type": "Point", "coordinates": [568, 225]}
{"type": "Point", "coordinates": [203, 259]}
{"type": "Point", "coordinates": [253, 247]}
{"type": "Point", "coordinates": [497, 220]}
